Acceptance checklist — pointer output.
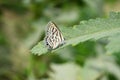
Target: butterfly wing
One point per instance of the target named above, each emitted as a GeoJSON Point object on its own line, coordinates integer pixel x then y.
{"type": "Point", "coordinates": [54, 37]}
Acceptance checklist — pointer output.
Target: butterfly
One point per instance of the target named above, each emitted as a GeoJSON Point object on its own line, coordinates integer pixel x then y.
{"type": "Point", "coordinates": [54, 37]}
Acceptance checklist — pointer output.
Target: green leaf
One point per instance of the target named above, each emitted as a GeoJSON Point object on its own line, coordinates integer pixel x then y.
{"type": "Point", "coordinates": [114, 44]}
{"type": "Point", "coordinates": [99, 67]}
{"type": "Point", "coordinates": [65, 71]}
{"type": "Point", "coordinates": [39, 48]}
{"type": "Point", "coordinates": [114, 41]}
{"type": "Point", "coordinates": [91, 29]}
{"type": "Point", "coordinates": [114, 15]}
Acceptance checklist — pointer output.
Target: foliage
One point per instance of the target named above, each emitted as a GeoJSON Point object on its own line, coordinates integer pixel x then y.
{"type": "Point", "coordinates": [91, 29]}
{"type": "Point", "coordinates": [92, 45]}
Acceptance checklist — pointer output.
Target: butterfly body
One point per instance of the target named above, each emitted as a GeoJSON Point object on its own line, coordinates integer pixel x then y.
{"type": "Point", "coordinates": [54, 37]}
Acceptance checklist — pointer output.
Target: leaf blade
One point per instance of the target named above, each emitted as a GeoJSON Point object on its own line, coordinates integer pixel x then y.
{"type": "Point", "coordinates": [91, 29]}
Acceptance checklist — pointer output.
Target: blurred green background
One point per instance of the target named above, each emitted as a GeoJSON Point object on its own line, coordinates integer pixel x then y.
{"type": "Point", "coordinates": [22, 25]}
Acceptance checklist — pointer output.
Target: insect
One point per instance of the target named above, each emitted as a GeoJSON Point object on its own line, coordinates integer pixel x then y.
{"type": "Point", "coordinates": [54, 37]}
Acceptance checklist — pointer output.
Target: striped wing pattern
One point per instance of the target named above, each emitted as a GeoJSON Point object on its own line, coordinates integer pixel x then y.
{"type": "Point", "coordinates": [54, 37]}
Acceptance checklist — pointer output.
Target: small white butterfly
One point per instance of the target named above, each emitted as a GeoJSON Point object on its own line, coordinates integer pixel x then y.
{"type": "Point", "coordinates": [54, 37]}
